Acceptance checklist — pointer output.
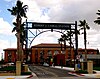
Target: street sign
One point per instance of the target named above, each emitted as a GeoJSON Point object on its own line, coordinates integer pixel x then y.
{"type": "Point", "coordinates": [51, 26]}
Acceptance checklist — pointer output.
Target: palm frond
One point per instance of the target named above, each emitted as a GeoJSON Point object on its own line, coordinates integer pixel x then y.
{"type": "Point", "coordinates": [98, 10]}
{"type": "Point", "coordinates": [87, 27]}
{"type": "Point", "coordinates": [19, 4]}
{"type": "Point", "coordinates": [98, 13]}
{"type": "Point", "coordinates": [14, 29]}
{"type": "Point", "coordinates": [14, 23]}
{"type": "Point", "coordinates": [9, 10]}
{"type": "Point", "coordinates": [81, 23]}
{"type": "Point", "coordinates": [97, 21]}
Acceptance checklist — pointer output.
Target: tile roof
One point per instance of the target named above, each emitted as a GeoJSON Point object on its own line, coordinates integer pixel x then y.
{"type": "Point", "coordinates": [49, 45]}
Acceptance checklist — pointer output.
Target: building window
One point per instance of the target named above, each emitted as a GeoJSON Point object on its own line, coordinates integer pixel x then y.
{"type": "Point", "coordinates": [41, 56]}
{"type": "Point", "coordinates": [63, 52]}
{"type": "Point", "coordinates": [42, 52]}
{"type": "Point", "coordinates": [36, 52]}
{"type": "Point", "coordinates": [91, 52]}
{"type": "Point", "coordinates": [9, 56]}
{"type": "Point", "coordinates": [56, 52]}
{"type": "Point", "coordinates": [49, 53]}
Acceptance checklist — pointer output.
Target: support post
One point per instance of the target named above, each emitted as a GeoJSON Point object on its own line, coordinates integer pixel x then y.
{"type": "Point", "coordinates": [82, 65]}
{"type": "Point", "coordinates": [90, 67]}
{"type": "Point", "coordinates": [18, 68]}
{"type": "Point", "coordinates": [76, 44]}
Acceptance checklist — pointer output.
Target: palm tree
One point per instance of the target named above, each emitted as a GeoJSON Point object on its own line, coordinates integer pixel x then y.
{"type": "Point", "coordinates": [19, 11]}
{"type": "Point", "coordinates": [60, 40]}
{"type": "Point", "coordinates": [83, 26]}
{"type": "Point", "coordinates": [67, 37]}
{"type": "Point", "coordinates": [97, 21]}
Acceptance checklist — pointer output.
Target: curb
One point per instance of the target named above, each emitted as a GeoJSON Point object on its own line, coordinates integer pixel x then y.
{"type": "Point", "coordinates": [33, 74]}
{"type": "Point", "coordinates": [73, 73]}
{"type": "Point", "coordinates": [86, 75]}
{"type": "Point", "coordinates": [30, 76]}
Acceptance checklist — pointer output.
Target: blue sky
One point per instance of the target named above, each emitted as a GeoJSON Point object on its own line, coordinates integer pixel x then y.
{"type": "Point", "coordinates": [3, 10]}
{"type": "Point", "coordinates": [51, 11]}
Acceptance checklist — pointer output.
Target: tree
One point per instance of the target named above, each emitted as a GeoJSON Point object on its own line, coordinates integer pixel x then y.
{"type": "Point", "coordinates": [19, 11]}
{"type": "Point", "coordinates": [83, 26]}
{"type": "Point", "coordinates": [60, 40]}
{"type": "Point", "coordinates": [68, 37]}
{"type": "Point", "coordinates": [97, 21]}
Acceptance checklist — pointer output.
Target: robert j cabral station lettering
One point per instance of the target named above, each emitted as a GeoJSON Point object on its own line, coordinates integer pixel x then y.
{"type": "Point", "coordinates": [51, 26]}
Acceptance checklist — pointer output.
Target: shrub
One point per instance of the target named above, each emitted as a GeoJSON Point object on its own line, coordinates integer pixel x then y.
{"type": "Point", "coordinates": [97, 68]}
{"type": "Point", "coordinates": [8, 68]}
{"type": "Point", "coordinates": [82, 71]}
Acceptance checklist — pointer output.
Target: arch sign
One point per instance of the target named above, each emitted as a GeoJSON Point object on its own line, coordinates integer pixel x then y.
{"type": "Point", "coordinates": [53, 26]}
{"type": "Point", "coordinates": [50, 26]}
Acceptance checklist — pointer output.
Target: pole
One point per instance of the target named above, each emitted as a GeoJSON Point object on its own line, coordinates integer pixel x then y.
{"type": "Point", "coordinates": [26, 36]}
{"type": "Point", "coordinates": [76, 43]}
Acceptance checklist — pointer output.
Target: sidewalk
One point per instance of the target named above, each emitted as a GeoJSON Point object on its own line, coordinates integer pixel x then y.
{"type": "Point", "coordinates": [97, 75]}
{"type": "Point", "coordinates": [20, 77]}
{"type": "Point", "coordinates": [33, 76]}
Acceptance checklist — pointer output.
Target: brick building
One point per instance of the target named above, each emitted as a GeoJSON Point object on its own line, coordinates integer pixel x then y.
{"type": "Point", "coordinates": [10, 54]}
{"type": "Point", "coordinates": [37, 51]}
{"type": "Point", "coordinates": [41, 52]}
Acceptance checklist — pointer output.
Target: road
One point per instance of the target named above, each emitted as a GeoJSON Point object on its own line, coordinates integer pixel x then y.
{"type": "Point", "coordinates": [53, 73]}
{"type": "Point", "coordinates": [49, 72]}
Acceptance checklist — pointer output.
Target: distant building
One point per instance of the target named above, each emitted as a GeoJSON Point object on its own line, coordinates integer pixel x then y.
{"type": "Point", "coordinates": [10, 54]}
{"type": "Point", "coordinates": [40, 52]}
{"type": "Point", "coordinates": [44, 51]}
{"type": "Point", "coordinates": [92, 54]}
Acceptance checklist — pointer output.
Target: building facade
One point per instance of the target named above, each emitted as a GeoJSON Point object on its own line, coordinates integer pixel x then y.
{"type": "Point", "coordinates": [44, 52]}
{"type": "Point", "coordinates": [10, 55]}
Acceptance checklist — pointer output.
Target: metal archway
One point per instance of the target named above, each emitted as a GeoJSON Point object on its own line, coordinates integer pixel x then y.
{"type": "Point", "coordinates": [43, 32]}
{"type": "Point", "coordinates": [38, 27]}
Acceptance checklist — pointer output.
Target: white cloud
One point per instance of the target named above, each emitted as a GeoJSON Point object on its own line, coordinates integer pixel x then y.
{"type": "Point", "coordinates": [4, 44]}
{"type": "Point", "coordinates": [5, 27]}
{"type": "Point", "coordinates": [6, 35]}
{"type": "Point", "coordinates": [66, 11]}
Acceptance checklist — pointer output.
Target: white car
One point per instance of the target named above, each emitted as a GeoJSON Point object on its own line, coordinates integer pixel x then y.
{"type": "Point", "coordinates": [45, 64]}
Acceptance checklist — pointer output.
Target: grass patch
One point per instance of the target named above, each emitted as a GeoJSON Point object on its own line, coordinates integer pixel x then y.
{"type": "Point", "coordinates": [96, 68]}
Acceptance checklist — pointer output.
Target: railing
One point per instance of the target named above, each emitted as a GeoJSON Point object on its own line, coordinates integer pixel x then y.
{"type": "Point", "coordinates": [92, 56]}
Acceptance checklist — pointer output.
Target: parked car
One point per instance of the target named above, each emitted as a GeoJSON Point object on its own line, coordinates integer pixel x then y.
{"type": "Point", "coordinates": [46, 64]}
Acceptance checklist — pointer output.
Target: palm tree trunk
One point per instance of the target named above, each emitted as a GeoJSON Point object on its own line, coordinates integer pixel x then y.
{"type": "Point", "coordinates": [85, 44]}
{"type": "Point", "coordinates": [19, 48]}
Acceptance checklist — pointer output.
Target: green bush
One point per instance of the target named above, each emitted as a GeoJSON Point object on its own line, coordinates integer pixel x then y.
{"type": "Point", "coordinates": [82, 71]}
{"type": "Point", "coordinates": [96, 68]}
{"type": "Point", "coordinates": [26, 73]}
{"type": "Point", "coordinates": [8, 68]}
